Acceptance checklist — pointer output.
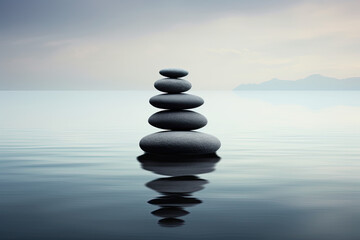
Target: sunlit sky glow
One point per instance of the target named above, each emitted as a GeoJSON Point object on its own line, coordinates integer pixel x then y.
{"type": "Point", "coordinates": [88, 44]}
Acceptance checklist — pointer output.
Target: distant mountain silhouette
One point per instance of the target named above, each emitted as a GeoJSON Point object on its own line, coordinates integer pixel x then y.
{"type": "Point", "coordinates": [312, 82]}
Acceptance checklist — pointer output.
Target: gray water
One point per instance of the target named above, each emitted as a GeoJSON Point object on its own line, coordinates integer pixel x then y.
{"type": "Point", "coordinates": [289, 168]}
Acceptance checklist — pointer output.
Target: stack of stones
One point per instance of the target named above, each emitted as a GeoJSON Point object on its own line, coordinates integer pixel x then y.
{"type": "Point", "coordinates": [176, 196]}
{"type": "Point", "coordinates": [179, 123]}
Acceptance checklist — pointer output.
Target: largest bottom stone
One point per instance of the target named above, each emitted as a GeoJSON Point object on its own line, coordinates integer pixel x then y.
{"type": "Point", "coordinates": [180, 142]}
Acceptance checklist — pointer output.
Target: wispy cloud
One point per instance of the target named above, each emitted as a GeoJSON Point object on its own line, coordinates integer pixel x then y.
{"type": "Point", "coordinates": [221, 51]}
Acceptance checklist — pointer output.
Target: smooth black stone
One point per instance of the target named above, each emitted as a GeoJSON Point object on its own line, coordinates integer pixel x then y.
{"type": "Point", "coordinates": [176, 101]}
{"type": "Point", "coordinates": [172, 85]}
{"type": "Point", "coordinates": [180, 142]}
{"type": "Point", "coordinates": [171, 222]}
{"type": "Point", "coordinates": [170, 212]}
{"type": "Point", "coordinates": [173, 72]}
{"type": "Point", "coordinates": [175, 201]}
{"type": "Point", "coordinates": [181, 120]}
{"type": "Point", "coordinates": [177, 185]}
{"type": "Point", "coordinates": [174, 165]}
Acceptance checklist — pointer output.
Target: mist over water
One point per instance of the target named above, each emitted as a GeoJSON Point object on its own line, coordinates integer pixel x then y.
{"type": "Point", "coordinates": [289, 167]}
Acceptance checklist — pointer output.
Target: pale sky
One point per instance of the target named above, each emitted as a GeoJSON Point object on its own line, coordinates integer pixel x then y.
{"type": "Point", "coordinates": [108, 44]}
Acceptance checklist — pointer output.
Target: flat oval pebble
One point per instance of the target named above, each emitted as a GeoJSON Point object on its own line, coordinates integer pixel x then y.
{"type": "Point", "coordinates": [181, 120]}
{"type": "Point", "coordinates": [171, 222]}
{"type": "Point", "coordinates": [176, 101]}
{"type": "Point", "coordinates": [175, 201]}
{"type": "Point", "coordinates": [173, 72]}
{"type": "Point", "coordinates": [177, 185]}
{"type": "Point", "coordinates": [170, 212]}
{"type": "Point", "coordinates": [172, 85]}
{"type": "Point", "coordinates": [178, 165]}
{"type": "Point", "coordinates": [180, 142]}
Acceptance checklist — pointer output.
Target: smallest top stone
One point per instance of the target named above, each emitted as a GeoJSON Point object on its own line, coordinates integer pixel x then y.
{"type": "Point", "coordinates": [173, 72]}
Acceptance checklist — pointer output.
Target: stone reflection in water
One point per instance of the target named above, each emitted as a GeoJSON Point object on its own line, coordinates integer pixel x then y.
{"type": "Point", "coordinates": [176, 191]}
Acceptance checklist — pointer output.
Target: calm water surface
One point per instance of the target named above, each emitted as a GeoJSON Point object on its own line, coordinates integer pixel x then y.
{"type": "Point", "coordinates": [289, 168]}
